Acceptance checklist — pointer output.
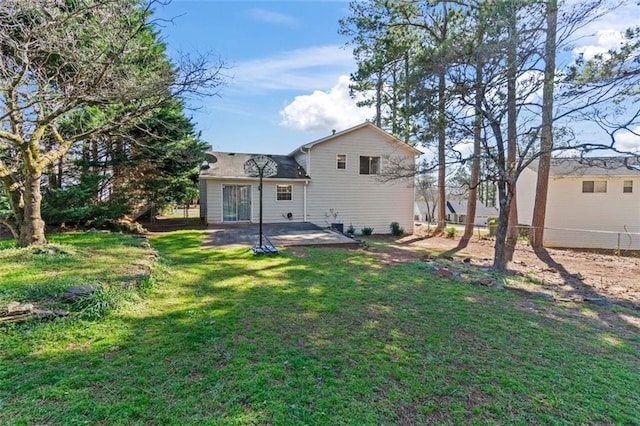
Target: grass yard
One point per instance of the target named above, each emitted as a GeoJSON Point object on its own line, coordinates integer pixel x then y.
{"type": "Point", "coordinates": [312, 336]}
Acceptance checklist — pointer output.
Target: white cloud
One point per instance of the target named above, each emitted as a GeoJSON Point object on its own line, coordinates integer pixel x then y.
{"type": "Point", "coordinates": [605, 40]}
{"type": "Point", "coordinates": [606, 32]}
{"type": "Point", "coordinates": [325, 111]}
{"type": "Point", "coordinates": [272, 17]}
{"type": "Point", "coordinates": [302, 69]}
{"type": "Point", "coordinates": [628, 141]}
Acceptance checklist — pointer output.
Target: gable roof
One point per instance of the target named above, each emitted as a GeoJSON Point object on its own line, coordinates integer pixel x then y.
{"type": "Point", "coordinates": [389, 137]}
{"type": "Point", "coordinates": [460, 207]}
{"type": "Point", "coordinates": [231, 165]}
{"type": "Point", "coordinates": [592, 166]}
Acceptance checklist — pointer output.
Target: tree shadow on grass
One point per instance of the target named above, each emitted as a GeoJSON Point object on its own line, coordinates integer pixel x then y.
{"type": "Point", "coordinates": [328, 338]}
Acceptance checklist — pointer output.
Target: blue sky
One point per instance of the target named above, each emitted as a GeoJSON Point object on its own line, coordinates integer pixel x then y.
{"type": "Point", "coordinates": [289, 68]}
{"type": "Point", "coordinates": [279, 53]}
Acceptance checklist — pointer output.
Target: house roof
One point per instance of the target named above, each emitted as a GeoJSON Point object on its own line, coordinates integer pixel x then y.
{"type": "Point", "coordinates": [460, 207]}
{"type": "Point", "coordinates": [366, 124]}
{"type": "Point", "coordinates": [421, 205]}
{"type": "Point", "coordinates": [592, 166]}
{"type": "Point", "coordinates": [231, 165]}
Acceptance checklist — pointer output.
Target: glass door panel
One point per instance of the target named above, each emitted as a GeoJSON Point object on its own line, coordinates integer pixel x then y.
{"type": "Point", "coordinates": [236, 203]}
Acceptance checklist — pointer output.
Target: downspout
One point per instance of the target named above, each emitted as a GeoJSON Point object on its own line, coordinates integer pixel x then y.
{"type": "Point", "coordinates": [304, 197]}
{"type": "Point", "coordinates": [307, 154]}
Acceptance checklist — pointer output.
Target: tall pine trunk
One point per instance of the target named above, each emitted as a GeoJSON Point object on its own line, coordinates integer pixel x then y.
{"type": "Point", "coordinates": [500, 259]}
{"type": "Point", "coordinates": [512, 136]}
{"type": "Point", "coordinates": [442, 197]}
{"type": "Point", "coordinates": [475, 164]}
{"type": "Point", "coordinates": [546, 141]}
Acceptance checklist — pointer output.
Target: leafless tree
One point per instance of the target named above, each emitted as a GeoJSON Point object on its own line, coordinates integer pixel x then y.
{"type": "Point", "coordinates": [58, 57]}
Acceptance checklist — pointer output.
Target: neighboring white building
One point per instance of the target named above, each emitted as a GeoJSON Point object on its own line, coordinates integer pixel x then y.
{"type": "Point", "coordinates": [591, 203]}
{"type": "Point", "coordinates": [421, 211]}
{"type": "Point", "coordinates": [457, 212]}
{"type": "Point", "coordinates": [333, 179]}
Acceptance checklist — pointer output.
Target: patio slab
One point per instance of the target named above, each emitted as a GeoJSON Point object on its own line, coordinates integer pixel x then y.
{"type": "Point", "coordinates": [279, 234]}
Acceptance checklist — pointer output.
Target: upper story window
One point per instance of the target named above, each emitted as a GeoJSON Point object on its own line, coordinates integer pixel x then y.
{"type": "Point", "coordinates": [369, 165]}
{"type": "Point", "coordinates": [594, 186]}
{"type": "Point", "coordinates": [627, 186]}
{"type": "Point", "coordinates": [284, 192]}
{"type": "Point", "coordinates": [341, 161]}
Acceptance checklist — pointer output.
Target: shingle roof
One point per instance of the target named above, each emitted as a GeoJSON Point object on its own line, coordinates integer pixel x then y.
{"type": "Point", "coordinates": [593, 166]}
{"type": "Point", "coordinates": [230, 164]}
{"type": "Point", "coordinates": [460, 207]}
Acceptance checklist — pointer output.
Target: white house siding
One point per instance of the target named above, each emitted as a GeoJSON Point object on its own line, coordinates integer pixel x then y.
{"type": "Point", "coordinates": [273, 211]}
{"type": "Point", "coordinates": [360, 200]}
{"type": "Point", "coordinates": [301, 159]}
{"type": "Point", "coordinates": [581, 215]}
{"type": "Point", "coordinates": [526, 195]}
{"type": "Point", "coordinates": [202, 202]}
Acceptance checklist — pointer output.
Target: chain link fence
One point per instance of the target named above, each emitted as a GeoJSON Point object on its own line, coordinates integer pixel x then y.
{"type": "Point", "coordinates": [564, 237]}
{"type": "Point", "coordinates": [584, 238]}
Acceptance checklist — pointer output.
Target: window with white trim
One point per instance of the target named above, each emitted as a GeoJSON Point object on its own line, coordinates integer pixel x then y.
{"type": "Point", "coordinates": [627, 186]}
{"type": "Point", "coordinates": [594, 186]}
{"type": "Point", "coordinates": [341, 161]}
{"type": "Point", "coordinates": [369, 165]}
{"type": "Point", "coordinates": [284, 192]}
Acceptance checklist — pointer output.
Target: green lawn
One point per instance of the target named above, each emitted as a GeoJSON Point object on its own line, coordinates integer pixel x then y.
{"type": "Point", "coordinates": [314, 336]}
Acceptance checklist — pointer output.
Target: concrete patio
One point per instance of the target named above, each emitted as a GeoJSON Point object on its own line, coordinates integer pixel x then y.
{"type": "Point", "coordinates": [279, 234]}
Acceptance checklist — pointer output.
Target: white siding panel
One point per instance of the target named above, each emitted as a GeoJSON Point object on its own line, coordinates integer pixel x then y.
{"type": "Point", "coordinates": [202, 198]}
{"type": "Point", "coordinates": [214, 198]}
{"type": "Point", "coordinates": [581, 215]}
{"type": "Point", "coordinates": [273, 211]}
{"type": "Point", "coordinates": [526, 195]}
{"type": "Point", "coordinates": [360, 200]}
{"type": "Point", "coordinates": [301, 159]}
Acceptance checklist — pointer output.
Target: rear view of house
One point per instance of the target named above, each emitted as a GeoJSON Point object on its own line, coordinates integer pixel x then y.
{"type": "Point", "coordinates": [591, 203]}
{"type": "Point", "coordinates": [338, 179]}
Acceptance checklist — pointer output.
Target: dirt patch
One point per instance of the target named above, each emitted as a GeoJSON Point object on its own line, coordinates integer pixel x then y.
{"type": "Point", "coordinates": [566, 273]}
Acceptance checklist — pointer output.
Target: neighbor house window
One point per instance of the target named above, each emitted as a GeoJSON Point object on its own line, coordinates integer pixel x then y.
{"type": "Point", "coordinates": [283, 192]}
{"type": "Point", "coordinates": [594, 186]}
{"type": "Point", "coordinates": [341, 161]}
{"type": "Point", "coordinates": [369, 165]}
{"type": "Point", "coordinates": [627, 186]}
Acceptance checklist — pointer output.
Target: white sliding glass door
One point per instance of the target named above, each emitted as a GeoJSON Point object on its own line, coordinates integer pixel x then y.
{"type": "Point", "coordinates": [236, 203]}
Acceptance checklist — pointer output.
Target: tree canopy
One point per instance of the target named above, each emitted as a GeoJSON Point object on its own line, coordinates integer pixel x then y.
{"type": "Point", "coordinates": [91, 75]}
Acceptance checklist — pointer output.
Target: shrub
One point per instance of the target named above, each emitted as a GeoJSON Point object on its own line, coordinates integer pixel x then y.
{"type": "Point", "coordinates": [451, 231]}
{"type": "Point", "coordinates": [396, 229]}
{"type": "Point", "coordinates": [126, 226]}
{"type": "Point", "coordinates": [367, 230]}
{"type": "Point", "coordinates": [350, 230]}
{"type": "Point", "coordinates": [493, 226]}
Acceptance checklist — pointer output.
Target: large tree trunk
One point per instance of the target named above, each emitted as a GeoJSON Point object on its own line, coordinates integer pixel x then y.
{"type": "Point", "coordinates": [500, 259]}
{"type": "Point", "coordinates": [546, 141]}
{"type": "Point", "coordinates": [475, 164]}
{"type": "Point", "coordinates": [31, 225]}
{"type": "Point", "coordinates": [379, 85]}
{"type": "Point", "coordinates": [407, 100]}
{"type": "Point", "coordinates": [512, 135]}
{"type": "Point", "coordinates": [442, 197]}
